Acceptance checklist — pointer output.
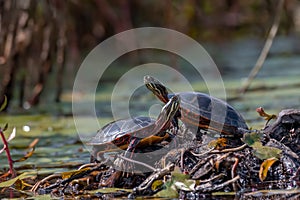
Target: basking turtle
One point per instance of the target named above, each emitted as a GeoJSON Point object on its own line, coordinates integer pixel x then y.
{"type": "Point", "coordinates": [196, 110]}
{"type": "Point", "coordinates": [139, 131]}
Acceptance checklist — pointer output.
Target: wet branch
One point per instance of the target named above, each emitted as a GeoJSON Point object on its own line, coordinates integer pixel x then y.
{"type": "Point", "coordinates": [6, 149]}
{"type": "Point", "coordinates": [263, 55]}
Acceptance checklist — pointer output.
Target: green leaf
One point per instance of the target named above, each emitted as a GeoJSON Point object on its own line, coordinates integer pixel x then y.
{"type": "Point", "coordinates": [109, 190]}
{"type": "Point", "coordinates": [20, 177]}
{"type": "Point", "coordinates": [4, 104]}
{"type": "Point", "coordinates": [169, 192]}
{"type": "Point", "coordinates": [177, 175]}
{"type": "Point", "coordinates": [253, 137]}
{"type": "Point", "coordinates": [265, 152]}
{"type": "Point", "coordinates": [179, 181]}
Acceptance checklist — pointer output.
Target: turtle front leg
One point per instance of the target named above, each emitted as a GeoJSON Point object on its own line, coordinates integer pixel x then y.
{"type": "Point", "coordinates": [131, 147]}
{"type": "Point", "coordinates": [175, 120]}
{"type": "Point", "coordinates": [175, 123]}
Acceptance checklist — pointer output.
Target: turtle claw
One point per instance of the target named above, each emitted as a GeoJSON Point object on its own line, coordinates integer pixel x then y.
{"type": "Point", "coordinates": [131, 147]}
{"type": "Point", "coordinates": [175, 122]}
{"type": "Point", "coordinates": [123, 165]}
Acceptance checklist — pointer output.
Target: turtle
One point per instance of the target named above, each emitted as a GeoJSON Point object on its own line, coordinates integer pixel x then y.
{"type": "Point", "coordinates": [127, 134]}
{"type": "Point", "coordinates": [196, 110]}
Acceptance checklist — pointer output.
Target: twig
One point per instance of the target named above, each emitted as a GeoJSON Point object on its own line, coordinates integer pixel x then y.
{"type": "Point", "coordinates": [48, 189]}
{"type": "Point", "coordinates": [157, 175]}
{"type": "Point", "coordinates": [212, 178]}
{"type": "Point", "coordinates": [137, 162]}
{"type": "Point", "coordinates": [10, 161]}
{"type": "Point", "coordinates": [199, 164]}
{"type": "Point", "coordinates": [209, 187]}
{"type": "Point", "coordinates": [229, 150]}
{"type": "Point", "coordinates": [272, 192]}
{"type": "Point", "coordinates": [52, 176]}
{"type": "Point", "coordinates": [202, 154]}
{"type": "Point", "coordinates": [181, 158]}
{"type": "Point", "coordinates": [87, 165]}
{"type": "Point", "coordinates": [263, 55]}
{"type": "Point", "coordinates": [233, 173]}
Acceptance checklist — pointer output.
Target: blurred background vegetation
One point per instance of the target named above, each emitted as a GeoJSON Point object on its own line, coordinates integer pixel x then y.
{"type": "Point", "coordinates": [43, 42]}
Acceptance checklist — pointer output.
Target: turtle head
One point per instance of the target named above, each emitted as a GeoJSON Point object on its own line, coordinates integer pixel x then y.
{"type": "Point", "coordinates": [158, 89]}
{"type": "Point", "coordinates": [170, 109]}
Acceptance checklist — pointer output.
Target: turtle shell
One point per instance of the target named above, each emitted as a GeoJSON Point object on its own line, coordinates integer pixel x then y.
{"type": "Point", "coordinates": [120, 131]}
{"type": "Point", "coordinates": [208, 112]}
